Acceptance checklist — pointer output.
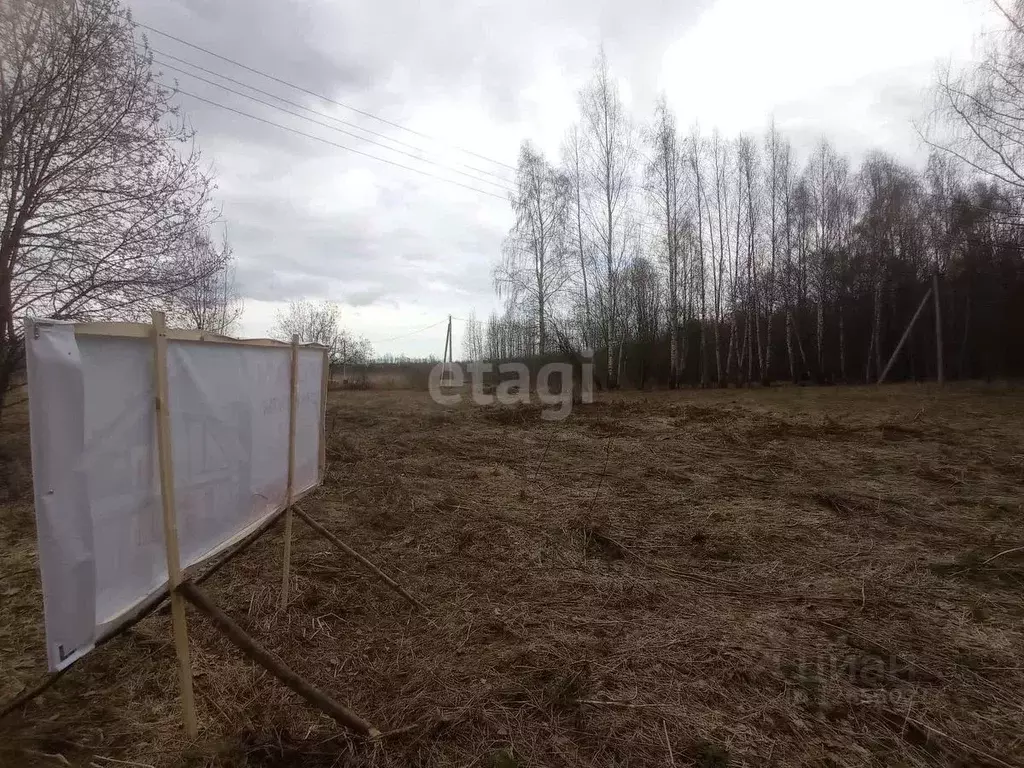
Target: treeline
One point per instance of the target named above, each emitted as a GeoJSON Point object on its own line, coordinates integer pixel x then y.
{"type": "Point", "coordinates": [685, 258]}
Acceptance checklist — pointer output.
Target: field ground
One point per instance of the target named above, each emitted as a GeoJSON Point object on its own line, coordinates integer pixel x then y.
{"type": "Point", "coordinates": [764, 577]}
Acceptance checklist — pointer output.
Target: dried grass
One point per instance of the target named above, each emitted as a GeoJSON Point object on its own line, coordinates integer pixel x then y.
{"type": "Point", "coordinates": [785, 576]}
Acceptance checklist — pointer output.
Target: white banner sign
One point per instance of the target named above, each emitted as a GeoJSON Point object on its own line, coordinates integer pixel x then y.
{"type": "Point", "coordinates": [96, 474]}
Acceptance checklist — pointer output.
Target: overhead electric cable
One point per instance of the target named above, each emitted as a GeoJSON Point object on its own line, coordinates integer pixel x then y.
{"type": "Point", "coordinates": [407, 335]}
{"type": "Point", "coordinates": [335, 144]}
{"type": "Point", "coordinates": [335, 128]}
{"type": "Point", "coordinates": [261, 73]}
{"type": "Point", "coordinates": [356, 126]}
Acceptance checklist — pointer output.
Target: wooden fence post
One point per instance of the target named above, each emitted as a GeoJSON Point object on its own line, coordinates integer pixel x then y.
{"type": "Point", "coordinates": [165, 458]}
{"type": "Point", "coordinates": [940, 367]}
{"type": "Point", "coordinates": [325, 385]}
{"type": "Point", "coordinates": [291, 472]}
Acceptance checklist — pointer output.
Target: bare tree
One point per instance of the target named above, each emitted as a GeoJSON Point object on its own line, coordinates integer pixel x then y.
{"type": "Point", "coordinates": [350, 349]}
{"type": "Point", "coordinates": [473, 339]}
{"type": "Point", "coordinates": [533, 270]}
{"type": "Point", "coordinates": [213, 302]}
{"type": "Point", "coordinates": [720, 158]}
{"type": "Point", "coordinates": [313, 323]}
{"type": "Point", "coordinates": [699, 270]}
{"type": "Point", "coordinates": [575, 240]}
{"type": "Point", "coordinates": [826, 174]}
{"type": "Point", "coordinates": [511, 335]}
{"type": "Point", "coordinates": [642, 312]}
{"type": "Point", "coordinates": [981, 111]}
{"type": "Point", "coordinates": [610, 155]}
{"type": "Point", "coordinates": [96, 197]}
{"type": "Point", "coordinates": [665, 189]}
{"type": "Point", "coordinates": [320, 323]}
{"type": "Point", "coordinates": [748, 161]}
{"type": "Point", "coordinates": [777, 172]}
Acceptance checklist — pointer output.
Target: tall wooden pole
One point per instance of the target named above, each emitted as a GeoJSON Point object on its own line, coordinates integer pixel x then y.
{"type": "Point", "coordinates": [286, 570]}
{"type": "Point", "coordinates": [447, 350]}
{"type": "Point", "coordinates": [903, 338]}
{"type": "Point", "coordinates": [165, 459]}
{"type": "Point", "coordinates": [325, 385]}
{"type": "Point", "coordinates": [451, 345]}
{"type": "Point", "coordinates": [941, 375]}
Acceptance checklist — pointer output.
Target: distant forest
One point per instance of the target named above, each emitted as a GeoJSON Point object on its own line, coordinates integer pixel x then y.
{"type": "Point", "coordinates": [690, 259]}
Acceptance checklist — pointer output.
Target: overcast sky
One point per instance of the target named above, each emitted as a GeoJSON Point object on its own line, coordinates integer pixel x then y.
{"type": "Point", "coordinates": [399, 250]}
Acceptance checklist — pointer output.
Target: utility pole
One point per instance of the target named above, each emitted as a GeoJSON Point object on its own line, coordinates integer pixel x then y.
{"type": "Point", "coordinates": [448, 356]}
{"type": "Point", "coordinates": [344, 360]}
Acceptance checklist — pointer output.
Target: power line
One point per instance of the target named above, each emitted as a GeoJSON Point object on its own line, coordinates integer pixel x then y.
{"type": "Point", "coordinates": [335, 144]}
{"type": "Point", "coordinates": [332, 127]}
{"type": "Point", "coordinates": [330, 117]}
{"type": "Point", "coordinates": [304, 108]}
{"type": "Point", "coordinates": [634, 211]}
{"type": "Point", "coordinates": [314, 93]}
{"type": "Point", "coordinates": [407, 335]}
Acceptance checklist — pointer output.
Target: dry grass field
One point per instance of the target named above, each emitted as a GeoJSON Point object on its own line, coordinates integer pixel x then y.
{"type": "Point", "coordinates": [791, 576]}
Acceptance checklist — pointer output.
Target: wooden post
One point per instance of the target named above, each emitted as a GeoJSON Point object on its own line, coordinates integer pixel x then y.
{"type": "Point", "coordinates": [286, 575]}
{"type": "Point", "coordinates": [941, 373]}
{"type": "Point", "coordinates": [259, 654]}
{"type": "Point", "coordinates": [903, 338]}
{"type": "Point", "coordinates": [165, 458]}
{"type": "Point", "coordinates": [444, 356]}
{"type": "Point", "coordinates": [325, 383]}
{"type": "Point", "coordinates": [451, 346]}
{"type": "Point", "coordinates": [349, 551]}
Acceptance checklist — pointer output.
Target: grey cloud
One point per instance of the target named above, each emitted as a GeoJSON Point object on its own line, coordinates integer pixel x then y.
{"type": "Point", "coordinates": [369, 297]}
{"type": "Point", "coordinates": [873, 112]}
{"type": "Point", "coordinates": [445, 50]}
{"type": "Point", "coordinates": [421, 242]}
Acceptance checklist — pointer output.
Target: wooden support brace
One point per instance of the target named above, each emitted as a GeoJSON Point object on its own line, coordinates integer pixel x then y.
{"type": "Point", "coordinates": [164, 454]}
{"type": "Point", "coordinates": [148, 608]}
{"type": "Point", "coordinates": [906, 333]}
{"type": "Point", "coordinates": [286, 570]}
{"type": "Point", "coordinates": [257, 653]}
{"type": "Point", "coordinates": [349, 551]}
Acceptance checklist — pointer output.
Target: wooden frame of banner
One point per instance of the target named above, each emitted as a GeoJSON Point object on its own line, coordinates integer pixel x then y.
{"type": "Point", "coordinates": [180, 589]}
{"type": "Point", "coordinates": [292, 404]}
{"type": "Point", "coordinates": [165, 458]}
{"type": "Point", "coordinates": [181, 586]}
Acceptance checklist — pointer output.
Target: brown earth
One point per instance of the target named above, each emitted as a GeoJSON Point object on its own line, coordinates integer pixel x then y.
{"type": "Point", "coordinates": [767, 577]}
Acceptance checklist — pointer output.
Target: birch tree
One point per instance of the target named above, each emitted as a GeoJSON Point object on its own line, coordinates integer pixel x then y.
{"type": "Point", "coordinates": [533, 271]}
{"type": "Point", "coordinates": [665, 189]}
{"type": "Point", "coordinates": [719, 166]}
{"type": "Point", "coordinates": [610, 157]}
{"type": "Point", "coordinates": [699, 265]}
{"type": "Point", "coordinates": [778, 157]}
{"type": "Point", "coordinates": [747, 169]}
{"type": "Point", "coordinates": [576, 239]}
{"type": "Point", "coordinates": [473, 339]}
{"type": "Point", "coordinates": [824, 171]}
